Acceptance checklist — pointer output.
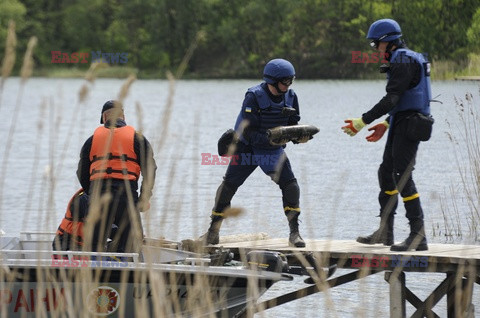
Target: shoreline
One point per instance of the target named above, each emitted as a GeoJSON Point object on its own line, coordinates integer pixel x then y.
{"type": "Point", "coordinates": [125, 73]}
{"type": "Point", "coordinates": [441, 70]}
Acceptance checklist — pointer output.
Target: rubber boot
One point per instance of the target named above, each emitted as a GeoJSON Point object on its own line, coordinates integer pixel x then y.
{"type": "Point", "coordinates": [213, 234]}
{"type": "Point", "coordinates": [388, 201]}
{"type": "Point", "coordinates": [383, 235]}
{"type": "Point", "coordinates": [294, 239]}
{"type": "Point", "coordinates": [416, 240]}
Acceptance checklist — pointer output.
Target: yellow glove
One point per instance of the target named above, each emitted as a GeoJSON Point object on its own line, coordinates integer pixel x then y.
{"type": "Point", "coordinates": [354, 126]}
{"type": "Point", "coordinates": [378, 131]}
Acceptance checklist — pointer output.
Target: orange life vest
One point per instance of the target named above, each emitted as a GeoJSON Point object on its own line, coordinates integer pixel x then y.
{"type": "Point", "coordinates": [71, 226]}
{"type": "Point", "coordinates": [112, 155]}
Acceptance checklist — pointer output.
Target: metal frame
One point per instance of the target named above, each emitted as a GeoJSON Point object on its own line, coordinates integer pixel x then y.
{"type": "Point", "coordinates": [71, 254]}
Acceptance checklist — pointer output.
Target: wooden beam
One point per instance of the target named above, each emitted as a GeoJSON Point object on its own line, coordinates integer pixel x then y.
{"type": "Point", "coordinates": [434, 297]}
{"type": "Point", "coordinates": [416, 302]}
{"type": "Point", "coordinates": [307, 291]}
{"type": "Point", "coordinates": [396, 281]}
{"type": "Point", "coordinates": [459, 297]}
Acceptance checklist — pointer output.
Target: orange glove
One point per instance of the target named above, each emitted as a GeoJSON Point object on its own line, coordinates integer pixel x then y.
{"type": "Point", "coordinates": [378, 131]}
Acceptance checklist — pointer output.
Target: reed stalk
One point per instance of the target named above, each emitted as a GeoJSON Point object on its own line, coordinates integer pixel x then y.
{"type": "Point", "coordinates": [35, 165]}
{"type": "Point", "coordinates": [9, 58]}
{"type": "Point", "coordinates": [82, 99]}
{"type": "Point", "coordinates": [26, 71]}
{"type": "Point", "coordinates": [124, 90]}
{"type": "Point", "coordinates": [27, 66]}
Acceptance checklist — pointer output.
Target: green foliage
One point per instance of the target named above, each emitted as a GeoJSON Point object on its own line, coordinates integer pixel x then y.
{"type": "Point", "coordinates": [240, 36]}
{"type": "Point", "coordinates": [437, 27]}
{"type": "Point", "coordinates": [10, 10]}
{"type": "Point", "coordinates": [473, 33]}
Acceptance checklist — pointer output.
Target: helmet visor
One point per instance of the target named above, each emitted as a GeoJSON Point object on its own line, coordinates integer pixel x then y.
{"type": "Point", "coordinates": [287, 81]}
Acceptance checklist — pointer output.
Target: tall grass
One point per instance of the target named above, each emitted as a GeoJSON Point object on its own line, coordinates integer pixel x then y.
{"type": "Point", "coordinates": [74, 288]}
{"type": "Point", "coordinates": [25, 73]}
{"type": "Point", "coordinates": [448, 69]}
{"type": "Point", "coordinates": [465, 140]}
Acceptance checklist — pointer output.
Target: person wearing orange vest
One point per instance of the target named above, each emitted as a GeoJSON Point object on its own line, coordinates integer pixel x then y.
{"type": "Point", "coordinates": [111, 162]}
{"type": "Point", "coordinates": [69, 234]}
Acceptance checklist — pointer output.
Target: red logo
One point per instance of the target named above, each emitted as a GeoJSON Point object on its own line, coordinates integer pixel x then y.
{"type": "Point", "coordinates": [75, 57]}
{"type": "Point", "coordinates": [375, 261]}
{"type": "Point", "coordinates": [365, 57]}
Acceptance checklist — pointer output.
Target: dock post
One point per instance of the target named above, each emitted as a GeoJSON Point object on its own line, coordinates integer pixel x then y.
{"type": "Point", "coordinates": [397, 294]}
{"type": "Point", "coordinates": [459, 298]}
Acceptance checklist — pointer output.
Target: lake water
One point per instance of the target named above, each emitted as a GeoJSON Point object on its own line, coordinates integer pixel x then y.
{"type": "Point", "coordinates": [44, 127]}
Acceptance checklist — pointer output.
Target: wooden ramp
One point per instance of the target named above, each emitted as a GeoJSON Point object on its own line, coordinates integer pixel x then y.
{"type": "Point", "coordinates": [460, 263]}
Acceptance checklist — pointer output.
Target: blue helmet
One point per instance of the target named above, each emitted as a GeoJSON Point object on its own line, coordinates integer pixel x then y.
{"type": "Point", "coordinates": [384, 30]}
{"type": "Point", "coordinates": [278, 69]}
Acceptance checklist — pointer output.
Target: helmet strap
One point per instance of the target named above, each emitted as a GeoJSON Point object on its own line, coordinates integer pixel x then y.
{"type": "Point", "coordinates": [388, 49]}
{"type": "Point", "coordinates": [277, 88]}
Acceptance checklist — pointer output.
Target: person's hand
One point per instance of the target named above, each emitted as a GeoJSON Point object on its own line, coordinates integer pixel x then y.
{"type": "Point", "coordinates": [378, 131]}
{"type": "Point", "coordinates": [354, 126]}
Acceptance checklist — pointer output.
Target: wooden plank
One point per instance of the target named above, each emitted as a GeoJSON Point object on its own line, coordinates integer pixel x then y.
{"type": "Point", "coordinates": [344, 246]}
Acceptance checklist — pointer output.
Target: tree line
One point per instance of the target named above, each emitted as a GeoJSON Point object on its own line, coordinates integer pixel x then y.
{"type": "Point", "coordinates": [235, 38]}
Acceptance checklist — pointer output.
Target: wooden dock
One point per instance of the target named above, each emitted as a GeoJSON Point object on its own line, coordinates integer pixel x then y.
{"type": "Point", "coordinates": [467, 78]}
{"type": "Point", "coordinates": [460, 264]}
